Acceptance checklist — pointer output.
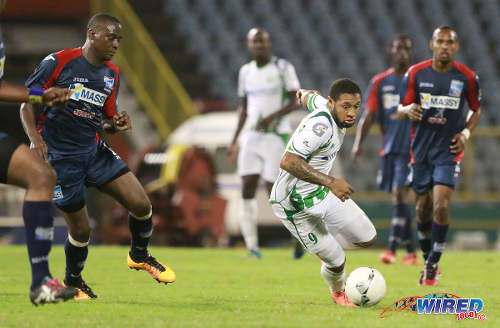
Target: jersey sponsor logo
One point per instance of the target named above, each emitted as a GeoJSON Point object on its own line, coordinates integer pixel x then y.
{"type": "Point", "coordinates": [430, 101]}
{"type": "Point", "coordinates": [80, 79]}
{"type": "Point", "coordinates": [82, 113]}
{"type": "Point", "coordinates": [438, 118]}
{"type": "Point", "coordinates": [2, 65]}
{"type": "Point", "coordinates": [109, 82]}
{"type": "Point", "coordinates": [426, 85]}
{"type": "Point", "coordinates": [82, 93]}
{"type": "Point", "coordinates": [388, 88]}
{"type": "Point", "coordinates": [319, 129]}
{"type": "Point", "coordinates": [390, 100]}
{"type": "Point", "coordinates": [456, 88]}
{"type": "Point", "coordinates": [264, 91]}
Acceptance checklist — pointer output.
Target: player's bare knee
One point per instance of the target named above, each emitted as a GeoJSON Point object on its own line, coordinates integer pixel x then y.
{"type": "Point", "coordinates": [141, 208]}
{"type": "Point", "coordinates": [42, 178]}
{"type": "Point", "coordinates": [441, 212]}
{"type": "Point", "coordinates": [80, 232]}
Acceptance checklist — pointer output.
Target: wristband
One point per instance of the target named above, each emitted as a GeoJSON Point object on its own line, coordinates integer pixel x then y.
{"type": "Point", "coordinates": [466, 133]}
{"type": "Point", "coordinates": [35, 96]}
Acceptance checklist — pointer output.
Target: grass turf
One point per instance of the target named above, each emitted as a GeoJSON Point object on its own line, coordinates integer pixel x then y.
{"type": "Point", "coordinates": [220, 288]}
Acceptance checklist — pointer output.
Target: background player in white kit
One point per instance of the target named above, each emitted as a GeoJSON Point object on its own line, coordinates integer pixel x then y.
{"type": "Point", "coordinates": [315, 207]}
{"type": "Point", "coordinates": [267, 87]}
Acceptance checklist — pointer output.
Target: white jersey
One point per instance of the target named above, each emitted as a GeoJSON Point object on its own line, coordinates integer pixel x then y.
{"type": "Point", "coordinates": [317, 140]}
{"type": "Point", "coordinates": [265, 89]}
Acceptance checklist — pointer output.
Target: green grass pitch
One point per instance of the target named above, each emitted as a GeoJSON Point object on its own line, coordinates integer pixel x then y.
{"type": "Point", "coordinates": [220, 288]}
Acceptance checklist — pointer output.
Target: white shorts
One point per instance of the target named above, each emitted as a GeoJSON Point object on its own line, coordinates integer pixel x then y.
{"type": "Point", "coordinates": [260, 154]}
{"type": "Point", "coordinates": [328, 227]}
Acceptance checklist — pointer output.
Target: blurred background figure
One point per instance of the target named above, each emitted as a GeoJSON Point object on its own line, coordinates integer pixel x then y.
{"type": "Point", "coordinates": [181, 90]}
{"type": "Point", "coordinates": [382, 100]}
{"type": "Point", "coordinates": [267, 87]}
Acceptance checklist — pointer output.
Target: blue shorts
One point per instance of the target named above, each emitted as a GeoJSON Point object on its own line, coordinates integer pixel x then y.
{"type": "Point", "coordinates": [393, 172]}
{"type": "Point", "coordinates": [425, 176]}
{"type": "Point", "coordinates": [75, 172]}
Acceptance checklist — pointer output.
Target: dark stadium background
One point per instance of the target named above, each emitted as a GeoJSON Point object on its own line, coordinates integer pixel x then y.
{"type": "Point", "coordinates": [180, 59]}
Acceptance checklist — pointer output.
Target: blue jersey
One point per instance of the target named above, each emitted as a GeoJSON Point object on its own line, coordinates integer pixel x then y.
{"type": "Point", "coordinates": [382, 96]}
{"type": "Point", "coordinates": [442, 97]}
{"type": "Point", "coordinates": [73, 129]}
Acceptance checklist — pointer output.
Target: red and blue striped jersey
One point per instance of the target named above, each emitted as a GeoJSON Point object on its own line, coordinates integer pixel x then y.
{"type": "Point", "coordinates": [442, 96]}
{"type": "Point", "coordinates": [382, 97]}
{"type": "Point", "coordinates": [73, 129]}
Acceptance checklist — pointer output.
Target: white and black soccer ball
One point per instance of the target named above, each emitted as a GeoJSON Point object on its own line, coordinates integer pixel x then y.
{"type": "Point", "coordinates": [365, 286]}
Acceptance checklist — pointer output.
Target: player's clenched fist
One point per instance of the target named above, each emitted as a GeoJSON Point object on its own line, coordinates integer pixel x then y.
{"type": "Point", "coordinates": [56, 96]}
{"type": "Point", "coordinates": [304, 94]}
{"type": "Point", "coordinates": [341, 189]}
{"type": "Point", "coordinates": [121, 121]}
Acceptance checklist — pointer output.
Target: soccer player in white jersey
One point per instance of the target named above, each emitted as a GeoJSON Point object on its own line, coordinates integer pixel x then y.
{"type": "Point", "coordinates": [315, 207]}
{"type": "Point", "coordinates": [267, 87]}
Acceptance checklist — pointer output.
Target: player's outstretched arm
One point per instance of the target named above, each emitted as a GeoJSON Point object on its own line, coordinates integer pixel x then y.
{"type": "Point", "coordinates": [303, 96]}
{"type": "Point", "coordinates": [50, 97]}
{"type": "Point", "coordinates": [28, 120]}
{"type": "Point", "coordinates": [458, 141]}
{"type": "Point", "coordinates": [362, 130]}
{"type": "Point", "coordinates": [299, 168]}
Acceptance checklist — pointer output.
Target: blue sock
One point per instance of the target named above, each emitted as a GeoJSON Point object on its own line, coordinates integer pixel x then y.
{"type": "Point", "coordinates": [39, 226]}
{"type": "Point", "coordinates": [76, 255]}
{"type": "Point", "coordinates": [397, 226]}
{"type": "Point", "coordinates": [141, 231]}
{"type": "Point", "coordinates": [408, 231]}
{"type": "Point", "coordinates": [424, 237]}
{"type": "Point", "coordinates": [438, 242]}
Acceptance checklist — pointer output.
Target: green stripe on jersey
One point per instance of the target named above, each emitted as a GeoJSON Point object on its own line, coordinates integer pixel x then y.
{"type": "Point", "coordinates": [328, 116]}
{"type": "Point", "coordinates": [310, 103]}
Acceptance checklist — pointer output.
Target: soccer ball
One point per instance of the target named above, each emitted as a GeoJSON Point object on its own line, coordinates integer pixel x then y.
{"type": "Point", "coordinates": [365, 286]}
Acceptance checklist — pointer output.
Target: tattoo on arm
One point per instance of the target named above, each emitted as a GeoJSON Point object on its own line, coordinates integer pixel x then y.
{"type": "Point", "coordinates": [300, 169]}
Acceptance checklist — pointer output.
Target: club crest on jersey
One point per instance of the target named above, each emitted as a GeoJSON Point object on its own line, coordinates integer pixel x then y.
{"type": "Point", "coordinates": [82, 93]}
{"type": "Point", "coordinates": [109, 82]}
{"type": "Point", "coordinates": [319, 129]}
{"type": "Point", "coordinates": [456, 88]}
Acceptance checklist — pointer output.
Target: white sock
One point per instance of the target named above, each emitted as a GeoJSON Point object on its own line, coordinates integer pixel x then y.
{"type": "Point", "coordinates": [248, 223]}
{"type": "Point", "coordinates": [334, 280]}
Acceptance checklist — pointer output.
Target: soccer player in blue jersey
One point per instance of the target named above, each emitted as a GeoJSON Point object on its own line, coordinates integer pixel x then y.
{"type": "Point", "coordinates": [382, 100]}
{"type": "Point", "coordinates": [19, 166]}
{"type": "Point", "coordinates": [433, 96]}
{"type": "Point", "coordinates": [68, 139]}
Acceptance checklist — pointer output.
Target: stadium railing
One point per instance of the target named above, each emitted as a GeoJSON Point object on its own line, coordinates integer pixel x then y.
{"type": "Point", "coordinates": [155, 85]}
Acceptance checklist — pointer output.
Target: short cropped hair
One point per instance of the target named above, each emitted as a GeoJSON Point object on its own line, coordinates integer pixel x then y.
{"type": "Point", "coordinates": [101, 18]}
{"type": "Point", "coordinates": [341, 86]}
